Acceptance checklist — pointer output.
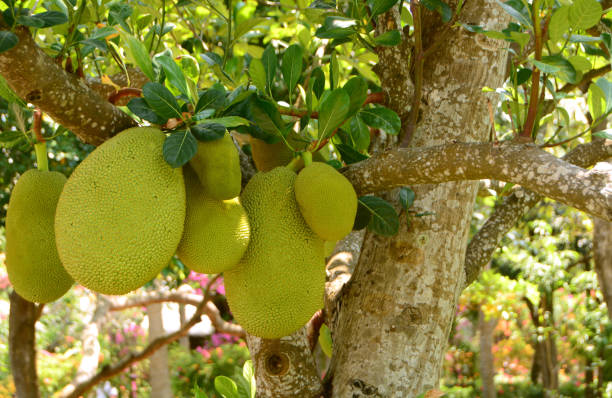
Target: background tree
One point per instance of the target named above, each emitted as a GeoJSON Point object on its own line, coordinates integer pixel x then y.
{"type": "Point", "coordinates": [436, 132]}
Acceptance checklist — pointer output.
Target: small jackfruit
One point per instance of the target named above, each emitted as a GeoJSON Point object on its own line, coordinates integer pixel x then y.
{"type": "Point", "coordinates": [327, 200]}
{"type": "Point", "coordinates": [279, 283]}
{"type": "Point", "coordinates": [216, 232]}
{"type": "Point", "coordinates": [268, 156]}
{"type": "Point", "coordinates": [120, 216]}
{"type": "Point", "coordinates": [217, 164]}
{"type": "Point", "coordinates": [32, 262]}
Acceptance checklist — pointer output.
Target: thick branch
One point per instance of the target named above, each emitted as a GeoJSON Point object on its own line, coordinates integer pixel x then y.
{"type": "Point", "coordinates": [22, 318]}
{"type": "Point", "coordinates": [506, 215]}
{"type": "Point", "coordinates": [533, 168]}
{"type": "Point", "coordinates": [210, 309]}
{"type": "Point", "coordinates": [65, 97]}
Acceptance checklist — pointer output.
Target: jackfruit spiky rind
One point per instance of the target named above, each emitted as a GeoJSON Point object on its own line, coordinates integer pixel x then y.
{"type": "Point", "coordinates": [217, 164]}
{"type": "Point", "coordinates": [327, 200]}
{"type": "Point", "coordinates": [279, 283]}
{"type": "Point", "coordinates": [120, 216]}
{"type": "Point", "coordinates": [216, 233]}
{"type": "Point", "coordinates": [32, 262]}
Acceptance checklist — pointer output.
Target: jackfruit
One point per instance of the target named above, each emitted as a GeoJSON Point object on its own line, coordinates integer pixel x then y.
{"type": "Point", "coordinates": [327, 200]}
{"type": "Point", "coordinates": [120, 216]}
{"type": "Point", "coordinates": [329, 247]}
{"type": "Point", "coordinates": [279, 283]}
{"type": "Point", "coordinates": [269, 156]}
{"type": "Point", "coordinates": [217, 164]}
{"type": "Point", "coordinates": [32, 262]}
{"type": "Point", "coordinates": [216, 233]}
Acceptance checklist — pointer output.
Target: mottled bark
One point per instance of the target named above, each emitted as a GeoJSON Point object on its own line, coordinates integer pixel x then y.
{"type": "Point", "coordinates": [65, 97]}
{"type": "Point", "coordinates": [159, 374]}
{"type": "Point", "coordinates": [513, 207]}
{"type": "Point", "coordinates": [396, 312]}
{"type": "Point", "coordinates": [602, 252]}
{"type": "Point", "coordinates": [22, 349]}
{"type": "Point", "coordinates": [486, 359]}
{"type": "Point", "coordinates": [284, 368]}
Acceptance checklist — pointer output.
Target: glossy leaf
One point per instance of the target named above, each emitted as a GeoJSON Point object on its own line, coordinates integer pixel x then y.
{"type": "Point", "coordinates": [179, 148]}
{"type": "Point", "coordinates": [325, 340]}
{"type": "Point", "coordinates": [140, 108]}
{"type": "Point", "coordinates": [585, 14]}
{"type": "Point", "coordinates": [292, 66]}
{"type": "Point", "coordinates": [208, 131]}
{"type": "Point", "coordinates": [138, 52]}
{"type": "Point", "coordinates": [226, 387]}
{"type": "Point", "coordinates": [357, 90]}
{"type": "Point", "coordinates": [406, 197]}
{"type": "Point", "coordinates": [440, 7]}
{"type": "Point", "coordinates": [8, 40]}
{"type": "Point", "coordinates": [378, 7]}
{"type": "Point", "coordinates": [336, 28]}
{"type": "Point", "coordinates": [389, 38]}
{"type": "Point", "coordinates": [385, 220]}
{"type": "Point", "coordinates": [161, 100]}
{"type": "Point", "coordinates": [333, 111]}
{"type": "Point", "coordinates": [270, 63]}
{"type": "Point", "coordinates": [258, 74]}
{"type": "Point", "coordinates": [212, 98]}
{"type": "Point", "coordinates": [350, 155]}
{"type": "Point", "coordinates": [382, 118]}
{"type": "Point", "coordinates": [174, 74]}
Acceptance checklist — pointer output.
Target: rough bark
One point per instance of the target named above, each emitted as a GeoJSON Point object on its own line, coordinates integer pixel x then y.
{"type": "Point", "coordinates": [284, 368]}
{"type": "Point", "coordinates": [506, 214]}
{"type": "Point", "coordinates": [65, 97]}
{"type": "Point", "coordinates": [486, 358]}
{"type": "Point", "coordinates": [602, 252]}
{"type": "Point", "coordinates": [22, 350]}
{"type": "Point", "coordinates": [396, 312]}
{"type": "Point", "coordinates": [159, 374]}
{"type": "Point", "coordinates": [527, 165]}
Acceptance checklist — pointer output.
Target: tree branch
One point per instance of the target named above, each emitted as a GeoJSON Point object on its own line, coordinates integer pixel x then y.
{"type": "Point", "coordinates": [110, 371]}
{"type": "Point", "coordinates": [506, 215]}
{"type": "Point", "coordinates": [66, 98]}
{"type": "Point", "coordinates": [527, 165]}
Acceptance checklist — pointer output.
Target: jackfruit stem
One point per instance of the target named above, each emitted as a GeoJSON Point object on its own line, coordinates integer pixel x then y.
{"type": "Point", "coordinates": [296, 164]}
{"type": "Point", "coordinates": [42, 160]}
{"type": "Point", "coordinates": [307, 157]}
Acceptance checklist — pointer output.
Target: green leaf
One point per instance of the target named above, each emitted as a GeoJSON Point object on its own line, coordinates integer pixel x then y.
{"type": "Point", "coordinates": [226, 387]}
{"type": "Point", "coordinates": [406, 197]}
{"type": "Point", "coordinates": [138, 52]}
{"type": "Point", "coordinates": [334, 71]}
{"type": "Point", "coordinates": [51, 18]}
{"type": "Point", "coordinates": [208, 131]}
{"type": "Point", "coordinates": [325, 340]}
{"type": "Point", "coordinates": [174, 74]}
{"type": "Point", "coordinates": [585, 14]}
{"type": "Point", "coordinates": [521, 16]}
{"type": "Point", "coordinates": [179, 148]}
{"type": "Point", "coordinates": [596, 101]}
{"type": "Point", "coordinates": [31, 21]}
{"type": "Point", "coordinates": [557, 65]}
{"type": "Point", "coordinates": [559, 23]}
{"type": "Point", "coordinates": [336, 28]}
{"type": "Point", "coordinates": [389, 38]}
{"type": "Point", "coordinates": [440, 7]}
{"type": "Point", "coordinates": [140, 108]}
{"type": "Point", "coordinates": [230, 121]}
{"type": "Point", "coordinates": [318, 81]}
{"type": "Point", "coordinates": [270, 63]}
{"type": "Point", "coordinates": [212, 59]}
{"type": "Point", "coordinates": [357, 90]}
{"type": "Point", "coordinates": [161, 100]}
{"type": "Point", "coordinates": [267, 116]}
{"type": "Point", "coordinates": [8, 40]}
{"type": "Point", "coordinates": [378, 7]}
{"type": "Point", "coordinates": [258, 74]}
{"type": "Point", "coordinates": [333, 111]}
{"type": "Point", "coordinates": [350, 155]}
{"type": "Point", "coordinates": [607, 134]}
{"type": "Point", "coordinates": [292, 66]}
{"type": "Point", "coordinates": [212, 98]}
{"type": "Point", "coordinates": [8, 94]}
{"type": "Point", "coordinates": [249, 374]}
{"type": "Point", "coordinates": [362, 218]}
{"type": "Point", "coordinates": [382, 118]}
{"type": "Point", "coordinates": [359, 133]}
{"type": "Point", "coordinates": [385, 220]}
{"type": "Point", "coordinates": [606, 88]}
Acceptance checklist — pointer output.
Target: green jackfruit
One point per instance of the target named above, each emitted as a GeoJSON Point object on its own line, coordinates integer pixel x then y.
{"type": "Point", "coordinates": [327, 200]}
{"type": "Point", "coordinates": [279, 283]}
{"type": "Point", "coordinates": [217, 164]}
{"type": "Point", "coordinates": [216, 232]}
{"type": "Point", "coordinates": [268, 156]}
{"type": "Point", "coordinates": [329, 247]}
{"type": "Point", "coordinates": [120, 216]}
{"type": "Point", "coordinates": [32, 262]}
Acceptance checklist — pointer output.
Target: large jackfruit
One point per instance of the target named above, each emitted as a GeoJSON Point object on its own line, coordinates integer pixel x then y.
{"type": "Point", "coordinates": [327, 200]}
{"type": "Point", "coordinates": [32, 262]}
{"type": "Point", "coordinates": [279, 283]}
{"type": "Point", "coordinates": [216, 232]}
{"type": "Point", "coordinates": [120, 216]}
{"type": "Point", "coordinates": [217, 164]}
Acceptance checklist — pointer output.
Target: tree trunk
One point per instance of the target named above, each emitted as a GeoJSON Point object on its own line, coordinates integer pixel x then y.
{"type": "Point", "coordinates": [602, 252]}
{"type": "Point", "coordinates": [486, 358]}
{"type": "Point", "coordinates": [22, 349]}
{"type": "Point", "coordinates": [397, 310]}
{"type": "Point", "coordinates": [183, 341]}
{"type": "Point", "coordinates": [159, 375]}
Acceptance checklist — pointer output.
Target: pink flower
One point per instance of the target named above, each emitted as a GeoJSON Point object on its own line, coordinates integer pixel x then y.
{"type": "Point", "coordinates": [205, 353]}
{"type": "Point", "coordinates": [119, 338]}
